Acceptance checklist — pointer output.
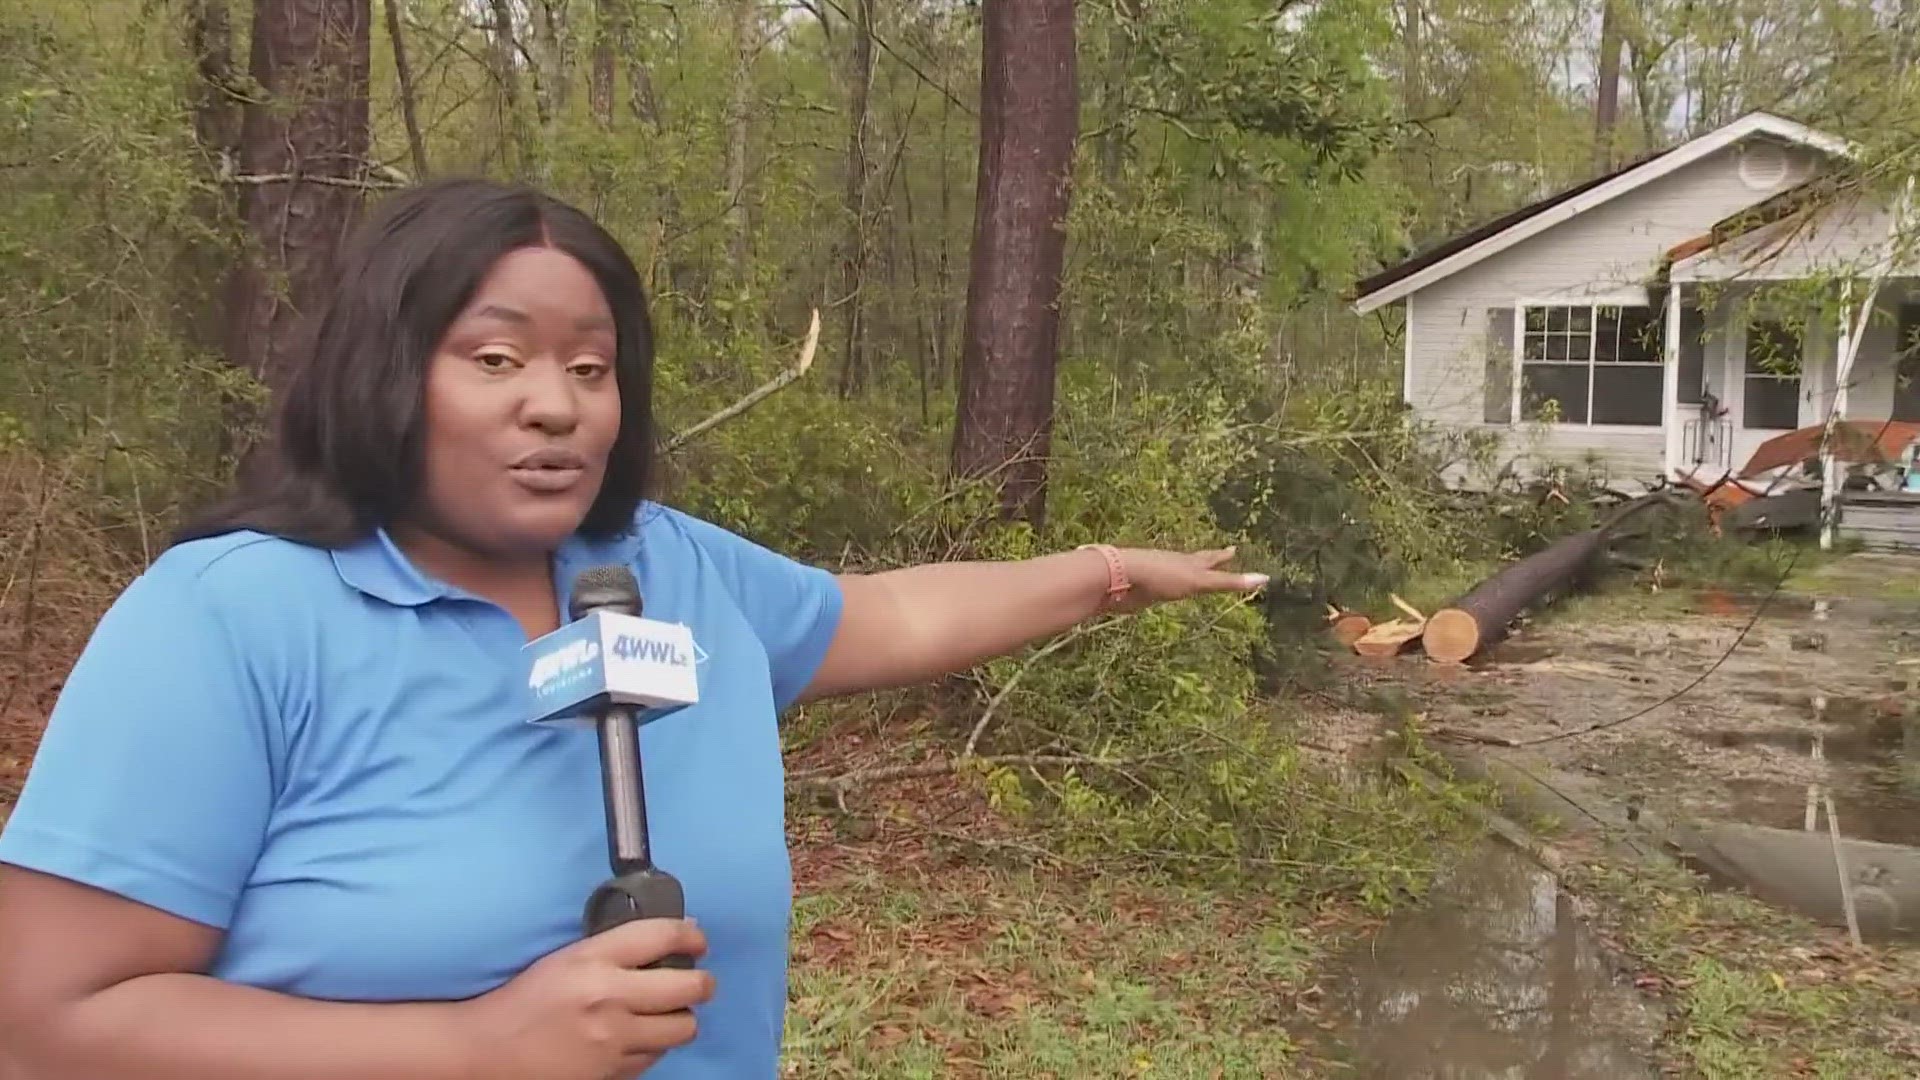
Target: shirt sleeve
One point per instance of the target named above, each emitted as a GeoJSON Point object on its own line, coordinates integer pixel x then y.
{"type": "Point", "coordinates": [794, 608]}
{"type": "Point", "coordinates": [154, 777]}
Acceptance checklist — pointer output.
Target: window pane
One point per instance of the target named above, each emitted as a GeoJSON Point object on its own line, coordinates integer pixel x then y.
{"type": "Point", "coordinates": [1642, 335]}
{"type": "Point", "coordinates": [1536, 320]}
{"type": "Point", "coordinates": [1566, 384]}
{"type": "Point", "coordinates": [1693, 355]}
{"type": "Point", "coordinates": [1556, 346]}
{"type": "Point", "coordinates": [1580, 320]}
{"type": "Point", "coordinates": [1772, 403]}
{"type": "Point", "coordinates": [1627, 395]}
{"type": "Point", "coordinates": [1579, 347]}
{"type": "Point", "coordinates": [1606, 343]}
{"type": "Point", "coordinates": [1535, 347]}
{"type": "Point", "coordinates": [1557, 319]}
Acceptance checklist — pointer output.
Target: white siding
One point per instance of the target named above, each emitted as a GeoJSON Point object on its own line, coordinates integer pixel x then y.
{"type": "Point", "coordinates": [1612, 249]}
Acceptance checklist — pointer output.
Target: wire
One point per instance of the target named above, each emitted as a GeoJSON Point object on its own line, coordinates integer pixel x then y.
{"type": "Point", "coordinates": [1830, 430]}
{"type": "Point", "coordinates": [1759, 610]}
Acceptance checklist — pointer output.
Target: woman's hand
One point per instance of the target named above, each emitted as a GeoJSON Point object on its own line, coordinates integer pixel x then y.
{"type": "Point", "coordinates": [586, 1012]}
{"type": "Point", "coordinates": [1160, 576]}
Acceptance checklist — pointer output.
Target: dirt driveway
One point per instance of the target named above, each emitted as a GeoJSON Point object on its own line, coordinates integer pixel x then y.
{"type": "Point", "coordinates": [1709, 707]}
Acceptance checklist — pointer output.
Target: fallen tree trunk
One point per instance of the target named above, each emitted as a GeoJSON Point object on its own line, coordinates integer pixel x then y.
{"type": "Point", "coordinates": [1481, 618]}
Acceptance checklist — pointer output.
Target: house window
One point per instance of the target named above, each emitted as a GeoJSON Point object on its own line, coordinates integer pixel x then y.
{"type": "Point", "coordinates": [1598, 365]}
{"type": "Point", "coordinates": [1772, 377]}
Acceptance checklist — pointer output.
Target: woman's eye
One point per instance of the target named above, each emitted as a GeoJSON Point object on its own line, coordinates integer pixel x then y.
{"type": "Point", "coordinates": [494, 361]}
{"type": "Point", "coordinates": [589, 369]}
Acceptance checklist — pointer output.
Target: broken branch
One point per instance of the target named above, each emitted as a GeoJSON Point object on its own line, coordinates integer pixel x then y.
{"type": "Point", "coordinates": [759, 393]}
{"type": "Point", "coordinates": [847, 780]}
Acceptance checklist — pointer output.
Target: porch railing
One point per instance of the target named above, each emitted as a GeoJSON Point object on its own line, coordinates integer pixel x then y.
{"type": "Point", "coordinates": [1708, 441]}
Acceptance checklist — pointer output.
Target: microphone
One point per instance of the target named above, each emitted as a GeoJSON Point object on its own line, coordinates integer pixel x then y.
{"type": "Point", "coordinates": [610, 669]}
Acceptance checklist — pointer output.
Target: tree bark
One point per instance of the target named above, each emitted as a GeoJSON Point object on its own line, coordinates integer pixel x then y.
{"type": "Point", "coordinates": [1028, 126]}
{"type": "Point", "coordinates": [746, 44]}
{"type": "Point", "coordinates": [310, 59]}
{"type": "Point", "coordinates": [507, 55]}
{"type": "Point", "coordinates": [216, 128]}
{"type": "Point", "coordinates": [854, 254]}
{"type": "Point", "coordinates": [409, 97]}
{"type": "Point", "coordinates": [1606, 108]}
{"type": "Point", "coordinates": [1481, 618]}
{"type": "Point", "coordinates": [609, 26]}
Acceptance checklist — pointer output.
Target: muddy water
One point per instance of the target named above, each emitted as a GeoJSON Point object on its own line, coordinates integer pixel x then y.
{"type": "Point", "coordinates": [1873, 764]}
{"type": "Point", "coordinates": [1493, 977]}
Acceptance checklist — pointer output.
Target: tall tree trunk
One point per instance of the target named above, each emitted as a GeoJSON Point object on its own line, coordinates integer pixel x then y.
{"type": "Point", "coordinates": [552, 71]}
{"type": "Point", "coordinates": [1028, 125]}
{"type": "Point", "coordinates": [646, 106]}
{"type": "Point", "coordinates": [409, 97]}
{"type": "Point", "coordinates": [216, 128]}
{"type": "Point", "coordinates": [746, 44]}
{"type": "Point", "coordinates": [204, 266]}
{"type": "Point", "coordinates": [609, 26]}
{"type": "Point", "coordinates": [303, 157]}
{"type": "Point", "coordinates": [853, 257]}
{"type": "Point", "coordinates": [1413, 66]}
{"type": "Point", "coordinates": [507, 59]}
{"type": "Point", "coordinates": [1606, 106]}
{"type": "Point", "coordinates": [943, 262]}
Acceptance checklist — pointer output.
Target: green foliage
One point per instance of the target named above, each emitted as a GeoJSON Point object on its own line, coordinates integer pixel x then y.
{"type": "Point", "coordinates": [1204, 774]}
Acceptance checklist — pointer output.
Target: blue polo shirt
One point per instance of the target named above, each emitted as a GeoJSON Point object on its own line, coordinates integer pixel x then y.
{"type": "Point", "coordinates": [326, 755]}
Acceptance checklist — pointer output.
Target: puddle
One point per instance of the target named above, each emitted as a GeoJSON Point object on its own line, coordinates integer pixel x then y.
{"type": "Point", "coordinates": [1874, 757]}
{"type": "Point", "coordinates": [1493, 976]}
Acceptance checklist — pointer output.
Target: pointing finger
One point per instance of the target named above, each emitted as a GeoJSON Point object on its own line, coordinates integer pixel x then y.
{"type": "Point", "coordinates": [1222, 581]}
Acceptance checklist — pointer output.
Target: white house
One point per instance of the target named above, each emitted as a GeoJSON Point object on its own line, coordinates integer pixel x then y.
{"type": "Point", "coordinates": [1627, 302]}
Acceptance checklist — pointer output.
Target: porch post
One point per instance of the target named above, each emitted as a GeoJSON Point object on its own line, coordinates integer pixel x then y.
{"type": "Point", "coordinates": [1670, 422]}
{"type": "Point", "coordinates": [1830, 478]}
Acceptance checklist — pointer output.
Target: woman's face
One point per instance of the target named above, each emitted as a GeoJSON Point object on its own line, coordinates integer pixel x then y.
{"type": "Point", "coordinates": [522, 408]}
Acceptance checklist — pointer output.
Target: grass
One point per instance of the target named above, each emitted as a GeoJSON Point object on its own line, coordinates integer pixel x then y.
{"type": "Point", "coordinates": [1753, 991]}
{"type": "Point", "coordinates": [943, 966]}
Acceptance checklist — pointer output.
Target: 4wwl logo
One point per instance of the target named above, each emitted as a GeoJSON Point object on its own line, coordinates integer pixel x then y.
{"type": "Point", "coordinates": [566, 660]}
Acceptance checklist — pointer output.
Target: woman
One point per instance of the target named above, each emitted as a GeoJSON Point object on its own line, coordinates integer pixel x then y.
{"type": "Point", "coordinates": [289, 821]}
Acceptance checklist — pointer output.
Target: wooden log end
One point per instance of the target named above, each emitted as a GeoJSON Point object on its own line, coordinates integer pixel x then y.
{"type": "Point", "coordinates": [1452, 636]}
{"type": "Point", "coordinates": [1387, 639]}
{"type": "Point", "coordinates": [1348, 629]}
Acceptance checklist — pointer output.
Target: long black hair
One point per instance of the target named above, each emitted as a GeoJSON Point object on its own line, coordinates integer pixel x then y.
{"type": "Point", "coordinates": [342, 455]}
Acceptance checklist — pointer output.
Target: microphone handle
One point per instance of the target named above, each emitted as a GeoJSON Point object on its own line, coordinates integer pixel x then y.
{"type": "Point", "coordinates": [638, 889]}
{"type": "Point", "coordinates": [625, 790]}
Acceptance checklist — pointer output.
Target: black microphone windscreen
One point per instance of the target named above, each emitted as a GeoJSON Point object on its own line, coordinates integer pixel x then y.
{"type": "Point", "coordinates": [601, 588]}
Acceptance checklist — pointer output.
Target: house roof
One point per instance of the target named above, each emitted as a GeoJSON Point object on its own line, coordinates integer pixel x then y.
{"type": "Point", "coordinates": [1468, 248]}
{"type": "Point", "coordinates": [1775, 208]}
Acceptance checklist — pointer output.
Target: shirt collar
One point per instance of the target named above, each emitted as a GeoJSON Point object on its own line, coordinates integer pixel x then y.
{"type": "Point", "coordinates": [376, 566]}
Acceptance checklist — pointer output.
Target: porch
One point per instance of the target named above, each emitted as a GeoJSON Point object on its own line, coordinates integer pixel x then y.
{"type": "Point", "coordinates": [1741, 371]}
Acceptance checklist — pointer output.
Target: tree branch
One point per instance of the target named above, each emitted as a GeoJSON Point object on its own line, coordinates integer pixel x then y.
{"type": "Point", "coordinates": [821, 778]}
{"type": "Point", "coordinates": [262, 179]}
{"type": "Point", "coordinates": [759, 393]}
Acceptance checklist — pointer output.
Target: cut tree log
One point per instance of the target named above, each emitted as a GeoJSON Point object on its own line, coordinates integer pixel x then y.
{"type": "Point", "coordinates": [1347, 626]}
{"type": "Point", "coordinates": [1481, 618]}
{"type": "Point", "coordinates": [1389, 638]}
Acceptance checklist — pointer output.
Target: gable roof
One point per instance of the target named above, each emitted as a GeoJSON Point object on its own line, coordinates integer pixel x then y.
{"type": "Point", "coordinates": [1468, 248]}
